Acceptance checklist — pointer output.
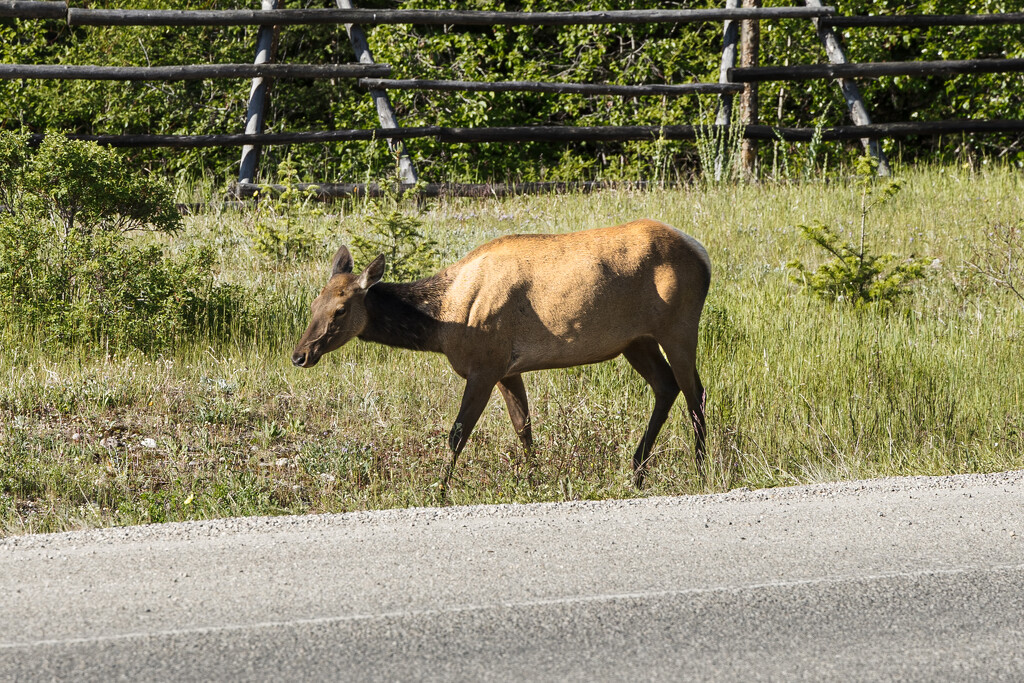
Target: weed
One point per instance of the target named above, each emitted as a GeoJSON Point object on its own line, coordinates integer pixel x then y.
{"type": "Point", "coordinates": [718, 149]}
{"type": "Point", "coordinates": [1001, 260]}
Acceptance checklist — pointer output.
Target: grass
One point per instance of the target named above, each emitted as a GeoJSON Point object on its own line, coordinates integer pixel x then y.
{"type": "Point", "coordinates": [798, 390]}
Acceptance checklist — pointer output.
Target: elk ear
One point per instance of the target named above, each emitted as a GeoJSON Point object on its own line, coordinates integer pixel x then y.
{"type": "Point", "coordinates": [342, 262]}
{"type": "Point", "coordinates": [373, 273]}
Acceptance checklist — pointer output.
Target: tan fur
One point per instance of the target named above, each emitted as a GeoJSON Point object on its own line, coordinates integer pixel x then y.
{"type": "Point", "coordinates": [533, 302]}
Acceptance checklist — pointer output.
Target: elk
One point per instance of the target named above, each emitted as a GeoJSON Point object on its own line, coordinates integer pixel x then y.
{"type": "Point", "coordinates": [534, 302]}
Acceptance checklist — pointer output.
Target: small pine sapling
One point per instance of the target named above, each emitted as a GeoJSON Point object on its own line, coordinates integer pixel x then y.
{"type": "Point", "coordinates": [275, 231]}
{"type": "Point", "coordinates": [396, 233]}
{"type": "Point", "coordinates": [854, 274]}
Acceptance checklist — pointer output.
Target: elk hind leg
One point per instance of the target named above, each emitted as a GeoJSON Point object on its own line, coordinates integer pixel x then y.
{"type": "Point", "coordinates": [514, 392]}
{"type": "Point", "coordinates": [683, 359]}
{"type": "Point", "coordinates": [645, 357]}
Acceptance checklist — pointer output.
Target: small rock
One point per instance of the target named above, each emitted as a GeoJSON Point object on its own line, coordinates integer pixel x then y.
{"type": "Point", "coordinates": [148, 443]}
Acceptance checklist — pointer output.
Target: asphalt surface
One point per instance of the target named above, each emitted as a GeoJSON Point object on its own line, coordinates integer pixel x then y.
{"type": "Point", "coordinates": [895, 579]}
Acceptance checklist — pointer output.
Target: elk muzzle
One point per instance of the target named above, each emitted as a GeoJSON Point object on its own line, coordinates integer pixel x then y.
{"type": "Point", "coordinates": [299, 359]}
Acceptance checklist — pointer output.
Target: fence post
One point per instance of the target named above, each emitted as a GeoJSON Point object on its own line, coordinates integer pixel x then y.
{"type": "Point", "coordinates": [730, 36]}
{"type": "Point", "coordinates": [723, 120]}
{"type": "Point", "coordinates": [854, 101]}
{"type": "Point", "coordinates": [406, 170]}
{"type": "Point", "coordinates": [750, 44]}
{"type": "Point", "coordinates": [265, 43]}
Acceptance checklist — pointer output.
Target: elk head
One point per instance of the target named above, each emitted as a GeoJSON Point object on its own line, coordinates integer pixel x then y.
{"type": "Point", "coordinates": [339, 313]}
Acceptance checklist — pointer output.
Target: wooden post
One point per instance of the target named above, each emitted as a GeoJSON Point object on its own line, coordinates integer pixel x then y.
{"type": "Point", "coordinates": [804, 72]}
{"type": "Point", "coordinates": [28, 9]}
{"type": "Point", "coordinates": [518, 134]}
{"type": "Point", "coordinates": [406, 170]}
{"type": "Point", "coordinates": [191, 72]}
{"type": "Point", "coordinates": [750, 45]}
{"type": "Point", "coordinates": [854, 101]}
{"type": "Point", "coordinates": [730, 36]}
{"type": "Point", "coordinates": [265, 44]}
{"type": "Point", "coordinates": [921, 20]}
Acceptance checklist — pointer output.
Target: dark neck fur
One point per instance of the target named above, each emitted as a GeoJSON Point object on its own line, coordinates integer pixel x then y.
{"type": "Point", "coordinates": [404, 314]}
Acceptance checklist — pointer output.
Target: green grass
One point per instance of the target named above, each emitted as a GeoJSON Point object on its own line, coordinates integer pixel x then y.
{"type": "Point", "coordinates": [798, 390]}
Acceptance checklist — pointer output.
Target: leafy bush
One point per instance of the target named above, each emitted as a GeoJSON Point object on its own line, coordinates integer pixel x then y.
{"type": "Point", "coordinates": [90, 189]}
{"type": "Point", "coordinates": [69, 271]}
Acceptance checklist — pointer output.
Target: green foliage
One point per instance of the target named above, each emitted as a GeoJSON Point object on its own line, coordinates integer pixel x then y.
{"type": "Point", "coordinates": [972, 96]}
{"type": "Point", "coordinates": [854, 274]}
{"type": "Point", "coordinates": [13, 152]}
{"type": "Point", "coordinates": [172, 107]}
{"type": "Point", "coordinates": [663, 53]}
{"type": "Point", "coordinates": [69, 273]}
{"type": "Point", "coordinates": [623, 54]}
{"type": "Point", "coordinates": [91, 189]}
{"type": "Point", "coordinates": [275, 231]}
{"type": "Point", "coordinates": [396, 232]}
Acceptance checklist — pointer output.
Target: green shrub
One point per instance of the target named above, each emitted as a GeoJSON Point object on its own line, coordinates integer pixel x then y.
{"type": "Point", "coordinates": [91, 189]}
{"type": "Point", "coordinates": [70, 271]}
{"type": "Point", "coordinates": [854, 274]}
{"type": "Point", "coordinates": [275, 231]}
{"type": "Point", "coordinates": [395, 232]}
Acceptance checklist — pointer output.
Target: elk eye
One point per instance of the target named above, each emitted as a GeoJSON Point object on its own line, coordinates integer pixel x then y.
{"type": "Point", "coordinates": [342, 311]}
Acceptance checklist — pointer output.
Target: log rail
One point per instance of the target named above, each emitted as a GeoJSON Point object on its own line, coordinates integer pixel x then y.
{"type": "Point", "coordinates": [375, 77]}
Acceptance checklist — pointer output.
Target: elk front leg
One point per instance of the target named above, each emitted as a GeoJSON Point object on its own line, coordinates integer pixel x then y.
{"type": "Point", "coordinates": [474, 400]}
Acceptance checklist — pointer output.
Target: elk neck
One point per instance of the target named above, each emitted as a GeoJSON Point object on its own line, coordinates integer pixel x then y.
{"type": "Point", "coordinates": [404, 314]}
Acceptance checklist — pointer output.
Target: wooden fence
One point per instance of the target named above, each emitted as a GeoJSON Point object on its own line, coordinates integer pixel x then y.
{"type": "Point", "coordinates": [733, 79]}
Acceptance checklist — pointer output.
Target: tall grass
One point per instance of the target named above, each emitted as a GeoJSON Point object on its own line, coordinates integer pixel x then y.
{"type": "Point", "coordinates": [798, 390]}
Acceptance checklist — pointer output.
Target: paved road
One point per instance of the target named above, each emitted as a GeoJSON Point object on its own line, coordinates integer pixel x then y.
{"type": "Point", "coordinates": [908, 579]}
